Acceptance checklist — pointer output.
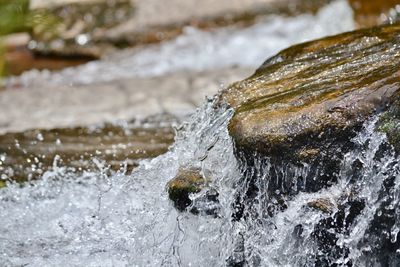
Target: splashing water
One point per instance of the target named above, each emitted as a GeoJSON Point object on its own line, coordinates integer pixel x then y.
{"type": "Point", "coordinates": [120, 220]}
{"type": "Point", "coordinates": [127, 220]}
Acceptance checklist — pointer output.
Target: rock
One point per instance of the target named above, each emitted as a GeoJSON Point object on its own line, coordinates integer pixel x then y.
{"type": "Point", "coordinates": [27, 155]}
{"type": "Point", "coordinates": [328, 230]}
{"type": "Point", "coordinates": [206, 202]}
{"type": "Point", "coordinates": [315, 94]}
{"type": "Point", "coordinates": [322, 204]}
{"type": "Point", "coordinates": [308, 154]}
{"type": "Point", "coordinates": [389, 123]}
{"type": "Point", "coordinates": [369, 13]}
{"type": "Point", "coordinates": [188, 180]}
{"type": "Point", "coordinates": [95, 28]}
{"type": "Point", "coordinates": [72, 28]}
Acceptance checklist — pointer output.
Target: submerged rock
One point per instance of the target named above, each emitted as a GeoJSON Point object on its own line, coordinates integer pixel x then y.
{"type": "Point", "coordinates": [190, 191]}
{"type": "Point", "coordinates": [322, 204]}
{"type": "Point", "coordinates": [312, 96]}
{"type": "Point", "coordinates": [186, 182]}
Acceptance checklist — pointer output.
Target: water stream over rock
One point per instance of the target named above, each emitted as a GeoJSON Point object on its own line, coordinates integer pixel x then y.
{"type": "Point", "coordinates": [126, 219]}
{"type": "Point", "coordinates": [263, 214]}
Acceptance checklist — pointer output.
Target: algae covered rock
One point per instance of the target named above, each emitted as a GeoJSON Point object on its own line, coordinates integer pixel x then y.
{"type": "Point", "coordinates": [76, 28]}
{"type": "Point", "coordinates": [389, 123]}
{"type": "Point", "coordinates": [188, 180]}
{"type": "Point", "coordinates": [314, 95]}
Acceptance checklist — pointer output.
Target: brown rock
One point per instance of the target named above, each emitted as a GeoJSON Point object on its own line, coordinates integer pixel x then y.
{"type": "Point", "coordinates": [316, 92]}
{"type": "Point", "coordinates": [369, 13]}
{"type": "Point", "coordinates": [322, 204]}
{"type": "Point", "coordinates": [188, 180]}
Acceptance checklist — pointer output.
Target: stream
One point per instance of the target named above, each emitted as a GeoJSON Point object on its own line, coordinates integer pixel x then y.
{"type": "Point", "coordinates": [92, 218]}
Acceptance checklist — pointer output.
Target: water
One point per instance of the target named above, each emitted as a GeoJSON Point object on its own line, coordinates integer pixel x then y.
{"type": "Point", "coordinates": [303, 236]}
{"type": "Point", "coordinates": [122, 220]}
{"type": "Point", "coordinates": [126, 219]}
{"type": "Point", "coordinates": [198, 50]}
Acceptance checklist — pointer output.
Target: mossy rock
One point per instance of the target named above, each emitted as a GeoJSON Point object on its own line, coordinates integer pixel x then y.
{"type": "Point", "coordinates": [315, 94]}
{"type": "Point", "coordinates": [77, 28]}
{"type": "Point", "coordinates": [389, 123]}
{"type": "Point", "coordinates": [188, 181]}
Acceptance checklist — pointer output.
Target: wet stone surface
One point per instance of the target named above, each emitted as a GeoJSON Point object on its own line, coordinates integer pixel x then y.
{"type": "Point", "coordinates": [315, 94]}
{"type": "Point", "coordinates": [389, 123]}
{"type": "Point", "coordinates": [190, 191]}
{"type": "Point", "coordinates": [74, 28]}
{"type": "Point", "coordinates": [96, 27]}
{"type": "Point", "coordinates": [369, 13]}
{"type": "Point", "coordinates": [188, 180]}
{"type": "Point", "coordinates": [27, 155]}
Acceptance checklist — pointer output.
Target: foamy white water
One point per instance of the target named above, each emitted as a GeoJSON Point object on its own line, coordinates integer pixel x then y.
{"type": "Point", "coordinates": [93, 219]}
{"type": "Point", "coordinates": [123, 220]}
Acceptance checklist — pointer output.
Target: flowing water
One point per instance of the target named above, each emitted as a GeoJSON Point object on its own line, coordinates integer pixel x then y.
{"type": "Point", "coordinates": [126, 219]}
{"type": "Point", "coordinates": [199, 50]}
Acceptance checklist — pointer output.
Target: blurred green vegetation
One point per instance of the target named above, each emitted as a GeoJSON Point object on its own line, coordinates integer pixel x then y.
{"type": "Point", "coordinates": [2, 61]}
{"type": "Point", "coordinates": [14, 16]}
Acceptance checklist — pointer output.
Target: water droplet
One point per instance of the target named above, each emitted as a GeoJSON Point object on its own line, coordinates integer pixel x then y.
{"type": "Point", "coordinates": [39, 137]}
{"type": "Point", "coordinates": [82, 39]}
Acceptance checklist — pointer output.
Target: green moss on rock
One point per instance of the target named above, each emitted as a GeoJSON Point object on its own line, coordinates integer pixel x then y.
{"type": "Point", "coordinates": [389, 123]}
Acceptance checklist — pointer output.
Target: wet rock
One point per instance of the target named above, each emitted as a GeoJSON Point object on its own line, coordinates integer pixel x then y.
{"type": "Point", "coordinates": [97, 27]}
{"type": "Point", "coordinates": [382, 236]}
{"type": "Point", "coordinates": [188, 180]}
{"type": "Point", "coordinates": [322, 204]}
{"type": "Point", "coordinates": [328, 231]}
{"type": "Point", "coordinates": [237, 259]}
{"type": "Point", "coordinates": [206, 203]}
{"type": "Point", "coordinates": [75, 28]}
{"type": "Point", "coordinates": [389, 123]}
{"type": "Point", "coordinates": [27, 155]}
{"type": "Point", "coordinates": [308, 154]}
{"type": "Point", "coordinates": [314, 95]}
{"type": "Point", "coordinates": [369, 13]}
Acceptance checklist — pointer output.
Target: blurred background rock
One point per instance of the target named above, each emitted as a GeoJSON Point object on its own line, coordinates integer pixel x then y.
{"type": "Point", "coordinates": [60, 33]}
